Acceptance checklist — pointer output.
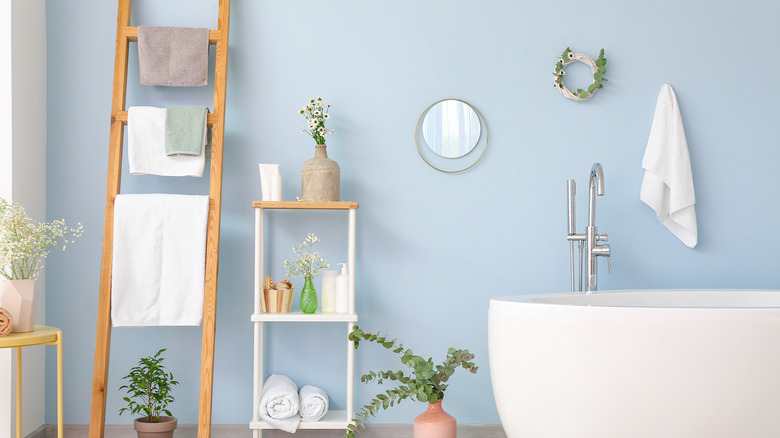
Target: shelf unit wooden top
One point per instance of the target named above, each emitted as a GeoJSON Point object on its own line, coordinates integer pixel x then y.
{"type": "Point", "coordinates": [297, 205]}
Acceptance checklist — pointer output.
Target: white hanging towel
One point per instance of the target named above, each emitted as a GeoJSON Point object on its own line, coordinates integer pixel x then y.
{"type": "Point", "coordinates": [159, 260]}
{"type": "Point", "coordinates": [146, 146]}
{"type": "Point", "coordinates": [668, 183]}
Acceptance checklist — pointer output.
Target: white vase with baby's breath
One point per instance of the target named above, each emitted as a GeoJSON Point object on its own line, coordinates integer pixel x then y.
{"type": "Point", "coordinates": [24, 245]}
{"type": "Point", "coordinates": [320, 175]}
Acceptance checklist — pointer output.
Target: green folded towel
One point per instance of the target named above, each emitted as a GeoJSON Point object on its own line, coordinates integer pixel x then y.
{"type": "Point", "coordinates": [185, 127]}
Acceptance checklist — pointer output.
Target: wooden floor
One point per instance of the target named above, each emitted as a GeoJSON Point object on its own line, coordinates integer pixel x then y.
{"type": "Point", "coordinates": [242, 431]}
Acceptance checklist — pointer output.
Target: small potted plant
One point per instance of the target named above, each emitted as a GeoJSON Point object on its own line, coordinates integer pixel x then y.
{"type": "Point", "coordinates": [149, 391]}
{"type": "Point", "coordinates": [426, 383]}
{"type": "Point", "coordinates": [24, 245]}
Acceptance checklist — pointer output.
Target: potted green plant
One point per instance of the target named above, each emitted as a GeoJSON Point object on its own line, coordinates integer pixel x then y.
{"type": "Point", "coordinates": [149, 392]}
{"type": "Point", "coordinates": [24, 245]}
{"type": "Point", "coordinates": [426, 383]}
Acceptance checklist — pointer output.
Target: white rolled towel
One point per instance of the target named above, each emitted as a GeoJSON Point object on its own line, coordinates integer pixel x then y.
{"type": "Point", "coordinates": [279, 403]}
{"type": "Point", "coordinates": [314, 403]}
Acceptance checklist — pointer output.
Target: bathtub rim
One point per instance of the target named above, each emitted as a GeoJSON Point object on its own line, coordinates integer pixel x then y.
{"type": "Point", "coordinates": [534, 304]}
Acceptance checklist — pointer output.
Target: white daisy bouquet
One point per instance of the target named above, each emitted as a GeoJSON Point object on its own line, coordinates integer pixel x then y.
{"type": "Point", "coordinates": [316, 113]}
{"type": "Point", "coordinates": [24, 243]}
{"type": "Point", "coordinates": [309, 262]}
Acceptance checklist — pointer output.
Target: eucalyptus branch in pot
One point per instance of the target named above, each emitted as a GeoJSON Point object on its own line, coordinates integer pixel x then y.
{"type": "Point", "coordinates": [426, 382]}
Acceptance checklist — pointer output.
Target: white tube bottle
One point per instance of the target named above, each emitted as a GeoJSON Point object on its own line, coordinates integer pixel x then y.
{"type": "Point", "coordinates": [276, 185]}
{"type": "Point", "coordinates": [342, 290]}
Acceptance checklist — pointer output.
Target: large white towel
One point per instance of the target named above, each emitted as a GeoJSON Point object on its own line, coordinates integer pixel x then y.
{"type": "Point", "coordinates": [159, 262]}
{"type": "Point", "coordinates": [279, 403]}
{"type": "Point", "coordinates": [146, 146]}
{"type": "Point", "coordinates": [668, 183]}
{"type": "Point", "coordinates": [314, 403]}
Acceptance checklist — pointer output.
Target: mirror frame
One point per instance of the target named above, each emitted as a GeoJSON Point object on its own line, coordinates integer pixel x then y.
{"type": "Point", "coordinates": [418, 137]}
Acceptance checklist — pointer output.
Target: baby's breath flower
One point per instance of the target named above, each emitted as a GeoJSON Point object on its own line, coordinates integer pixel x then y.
{"type": "Point", "coordinates": [309, 262]}
{"type": "Point", "coordinates": [24, 244]}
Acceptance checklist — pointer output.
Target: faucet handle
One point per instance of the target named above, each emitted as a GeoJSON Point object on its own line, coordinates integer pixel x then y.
{"type": "Point", "coordinates": [604, 251]}
{"type": "Point", "coordinates": [601, 237]}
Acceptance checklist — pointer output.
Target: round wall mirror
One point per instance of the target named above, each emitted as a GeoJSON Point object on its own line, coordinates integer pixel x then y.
{"type": "Point", "coordinates": [451, 128]}
{"type": "Point", "coordinates": [451, 136]}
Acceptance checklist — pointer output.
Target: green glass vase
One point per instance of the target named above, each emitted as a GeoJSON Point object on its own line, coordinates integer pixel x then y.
{"type": "Point", "coordinates": [308, 296]}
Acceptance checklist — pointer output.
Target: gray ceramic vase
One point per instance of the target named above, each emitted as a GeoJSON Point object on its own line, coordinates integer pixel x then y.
{"type": "Point", "coordinates": [320, 178]}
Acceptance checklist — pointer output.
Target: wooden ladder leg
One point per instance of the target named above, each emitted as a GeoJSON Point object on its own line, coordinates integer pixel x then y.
{"type": "Point", "coordinates": [103, 337]}
{"type": "Point", "coordinates": [215, 207]}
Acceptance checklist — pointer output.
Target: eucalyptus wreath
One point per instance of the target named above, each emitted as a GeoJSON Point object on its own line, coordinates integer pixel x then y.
{"type": "Point", "coordinates": [598, 67]}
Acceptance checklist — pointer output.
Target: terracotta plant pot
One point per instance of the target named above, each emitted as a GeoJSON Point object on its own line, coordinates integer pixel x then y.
{"type": "Point", "coordinates": [163, 429]}
{"type": "Point", "coordinates": [435, 423]}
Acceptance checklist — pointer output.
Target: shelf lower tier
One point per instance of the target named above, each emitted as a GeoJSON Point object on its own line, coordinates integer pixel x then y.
{"type": "Point", "coordinates": [304, 317]}
{"type": "Point", "coordinates": [332, 420]}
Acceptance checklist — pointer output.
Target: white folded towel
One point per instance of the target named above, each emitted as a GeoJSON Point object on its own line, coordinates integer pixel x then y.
{"type": "Point", "coordinates": [279, 403]}
{"type": "Point", "coordinates": [668, 183]}
{"type": "Point", "coordinates": [146, 146]}
{"type": "Point", "coordinates": [314, 403]}
{"type": "Point", "coordinates": [159, 261]}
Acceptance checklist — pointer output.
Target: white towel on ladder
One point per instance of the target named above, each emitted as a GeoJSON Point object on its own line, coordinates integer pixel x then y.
{"type": "Point", "coordinates": [159, 259]}
{"type": "Point", "coordinates": [668, 183]}
{"type": "Point", "coordinates": [146, 146]}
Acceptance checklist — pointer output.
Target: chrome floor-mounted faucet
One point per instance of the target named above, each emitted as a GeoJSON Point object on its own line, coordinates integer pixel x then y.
{"type": "Point", "coordinates": [589, 242]}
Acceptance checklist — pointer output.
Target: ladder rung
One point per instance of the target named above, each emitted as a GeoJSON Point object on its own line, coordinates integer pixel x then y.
{"type": "Point", "coordinates": [121, 116]}
{"type": "Point", "coordinates": [131, 33]}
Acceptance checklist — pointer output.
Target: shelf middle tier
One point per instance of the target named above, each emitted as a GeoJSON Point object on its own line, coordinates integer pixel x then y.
{"type": "Point", "coordinates": [299, 316]}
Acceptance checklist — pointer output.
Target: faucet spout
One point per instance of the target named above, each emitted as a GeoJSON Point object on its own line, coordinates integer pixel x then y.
{"type": "Point", "coordinates": [595, 187]}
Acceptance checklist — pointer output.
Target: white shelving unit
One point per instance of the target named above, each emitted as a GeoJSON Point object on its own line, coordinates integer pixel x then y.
{"type": "Point", "coordinates": [335, 419]}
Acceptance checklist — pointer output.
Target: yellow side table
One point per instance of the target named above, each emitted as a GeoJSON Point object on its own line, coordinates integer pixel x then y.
{"type": "Point", "coordinates": [42, 335]}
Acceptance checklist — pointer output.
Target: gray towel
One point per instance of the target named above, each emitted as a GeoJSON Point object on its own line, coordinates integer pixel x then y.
{"type": "Point", "coordinates": [185, 127]}
{"type": "Point", "coordinates": [173, 56]}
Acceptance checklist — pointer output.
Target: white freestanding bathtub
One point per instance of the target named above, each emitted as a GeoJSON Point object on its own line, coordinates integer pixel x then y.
{"type": "Point", "coordinates": [637, 364]}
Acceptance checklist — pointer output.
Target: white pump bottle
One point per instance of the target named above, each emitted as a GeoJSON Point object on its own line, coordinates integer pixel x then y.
{"type": "Point", "coordinates": [342, 290]}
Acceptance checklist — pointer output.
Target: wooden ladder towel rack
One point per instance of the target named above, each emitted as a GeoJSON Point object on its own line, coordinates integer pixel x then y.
{"type": "Point", "coordinates": [216, 120]}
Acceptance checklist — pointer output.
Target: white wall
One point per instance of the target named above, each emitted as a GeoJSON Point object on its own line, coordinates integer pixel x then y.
{"type": "Point", "coordinates": [6, 136]}
{"type": "Point", "coordinates": [23, 178]}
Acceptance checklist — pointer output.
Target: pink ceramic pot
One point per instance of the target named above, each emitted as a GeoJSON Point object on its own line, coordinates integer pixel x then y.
{"type": "Point", "coordinates": [435, 423]}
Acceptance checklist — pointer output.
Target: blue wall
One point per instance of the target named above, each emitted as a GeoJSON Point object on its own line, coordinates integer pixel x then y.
{"type": "Point", "coordinates": [432, 248]}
